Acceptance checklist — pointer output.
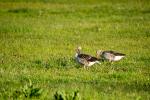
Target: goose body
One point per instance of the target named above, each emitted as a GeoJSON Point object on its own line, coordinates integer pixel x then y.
{"type": "Point", "coordinates": [85, 59]}
{"type": "Point", "coordinates": [111, 55]}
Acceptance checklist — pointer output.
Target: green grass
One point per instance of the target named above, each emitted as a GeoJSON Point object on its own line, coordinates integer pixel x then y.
{"type": "Point", "coordinates": [38, 40]}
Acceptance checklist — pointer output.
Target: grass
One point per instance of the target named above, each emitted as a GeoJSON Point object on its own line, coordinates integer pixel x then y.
{"type": "Point", "coordinates": [38, 41]}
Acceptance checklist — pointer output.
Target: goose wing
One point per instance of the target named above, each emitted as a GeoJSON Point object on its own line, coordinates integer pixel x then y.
{"type": "Point", "coordinates": [114, 53]}
{"type": "Point", "coordinates": [119, 54]}
{"type": "Point", "coordinates": [87, 57]}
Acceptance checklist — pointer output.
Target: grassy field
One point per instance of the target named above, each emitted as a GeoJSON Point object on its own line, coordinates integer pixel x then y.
{"type": "Point", "coordinates": [38, 40]}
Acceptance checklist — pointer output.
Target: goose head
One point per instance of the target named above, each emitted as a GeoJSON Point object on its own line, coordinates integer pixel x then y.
{"type": "Point", "coordinates": [78, 51]}
{"type": "Point", "coordinates": [99, 53]}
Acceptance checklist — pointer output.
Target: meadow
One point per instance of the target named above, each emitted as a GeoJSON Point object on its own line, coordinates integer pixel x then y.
{"type": "Point", "coordinates": [38, 39]}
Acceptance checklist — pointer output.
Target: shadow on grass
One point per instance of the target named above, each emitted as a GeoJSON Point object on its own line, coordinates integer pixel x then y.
{"type": "Point", "coordinates": [27, 11]}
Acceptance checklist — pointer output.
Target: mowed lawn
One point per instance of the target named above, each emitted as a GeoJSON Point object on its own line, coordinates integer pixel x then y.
{"type": "Point", "coordinates": [38, 39]}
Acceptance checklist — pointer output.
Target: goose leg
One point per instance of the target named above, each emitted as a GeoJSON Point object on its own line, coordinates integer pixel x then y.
{"type": "Point", "coordinates": [110, 60]}
{"type": "Point", "coordinates": [84, 67]}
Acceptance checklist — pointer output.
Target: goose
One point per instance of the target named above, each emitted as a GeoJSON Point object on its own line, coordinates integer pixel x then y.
{"type": "Point", "coordinates": [85, 59]}
{"type": "Point", "coordinates": [111, 56]}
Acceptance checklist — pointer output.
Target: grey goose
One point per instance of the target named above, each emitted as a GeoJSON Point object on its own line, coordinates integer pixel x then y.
{"type": "Point", "coordinates": [111, 56]}
{"type": "Point", "coordinates": [85, 59]}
